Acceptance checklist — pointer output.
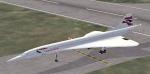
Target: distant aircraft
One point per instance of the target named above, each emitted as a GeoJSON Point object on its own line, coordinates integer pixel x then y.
{"type": "Point", "coordinates": [94, 39]}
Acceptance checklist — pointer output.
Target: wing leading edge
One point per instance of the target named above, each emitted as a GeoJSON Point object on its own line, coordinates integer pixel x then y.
{"type": "Point", "coordinates": [118, 41]}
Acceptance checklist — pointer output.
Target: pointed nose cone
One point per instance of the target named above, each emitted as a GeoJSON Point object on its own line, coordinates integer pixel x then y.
{"type": "Point", "coordinates": [14, 59]}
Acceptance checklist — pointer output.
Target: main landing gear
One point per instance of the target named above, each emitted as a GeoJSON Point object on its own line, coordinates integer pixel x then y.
{"type": "Point", "coordinates": [56, 58]}
{"type": "Point", "coordinates": [103, 50]}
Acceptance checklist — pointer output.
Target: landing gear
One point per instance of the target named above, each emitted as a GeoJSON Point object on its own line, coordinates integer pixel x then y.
{"type": "Point", "coordinates": [56, 58]}
{"type": "Point", "coordinates": [103, 50]}
{"type": "Point", "coordinates": [88, 48]}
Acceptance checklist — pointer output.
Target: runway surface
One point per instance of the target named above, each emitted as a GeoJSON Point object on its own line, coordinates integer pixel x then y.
{"type": "Point", "coordinates": [79, 61]}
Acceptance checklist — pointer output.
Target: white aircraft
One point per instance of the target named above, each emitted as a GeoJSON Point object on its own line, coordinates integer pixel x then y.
{"type": "Point", "coordinates": [94, 39]}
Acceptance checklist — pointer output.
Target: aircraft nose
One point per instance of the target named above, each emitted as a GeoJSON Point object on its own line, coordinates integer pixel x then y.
{"type": "Point", "coordinates": [14, 59]}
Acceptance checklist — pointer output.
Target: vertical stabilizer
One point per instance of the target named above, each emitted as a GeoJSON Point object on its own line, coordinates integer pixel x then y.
{"type": "Point", "coordinates": [126, 21]}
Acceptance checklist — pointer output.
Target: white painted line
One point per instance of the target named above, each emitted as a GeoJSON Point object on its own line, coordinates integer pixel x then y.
{"type": "Point", "coordinates": [142, 34]}
{"type": "Point", "coordinates": [92, 0]}
{"type": "Point", "coordinates": [50, 1]}
{"type": "Point", "coordinates": [103, 12]}
{"type": "Point", "coordinates": [90, 9]}
{"type": "Point", "coordinates": [85, 8]}
{"type": "Point", "coordinates": [123, 5]}
{"type": "Point", "coordinates": [55, 14]}
{"type": "Point", "coordinates": [107, 12]}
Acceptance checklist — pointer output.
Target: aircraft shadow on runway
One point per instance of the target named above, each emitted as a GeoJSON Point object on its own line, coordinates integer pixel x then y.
{"type": "Point", "coordinates": [112, 53]}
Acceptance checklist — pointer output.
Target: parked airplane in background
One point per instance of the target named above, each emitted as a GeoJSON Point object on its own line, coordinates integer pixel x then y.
{"type": "Point", "coordinates": [94, 39]}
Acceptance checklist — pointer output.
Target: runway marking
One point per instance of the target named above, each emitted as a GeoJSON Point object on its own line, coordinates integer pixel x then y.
{"type": "Point", "coordinates": [107, 12]}
{"type": "Point", "coordinates": [50, 1]}
{"type": "Point", "coordinates": [92, 57]}
{"type": "Point", "coordinates": [86, 8]}
{"type": "Point", "coordinates": [55, 14]}
{"type": "Point", "coordinates": [142, 34]}
{"type": "Point", "coordinates": [103, 12]}
{"type": "Point", "coordinates": [66, 16]}
{"type": "Point", "coordinates": [123, 5]}
{"type": "Point", "coordinates": [90, 9]}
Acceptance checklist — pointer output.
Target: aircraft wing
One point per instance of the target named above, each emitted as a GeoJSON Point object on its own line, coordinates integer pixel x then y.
{"type": "Point", "coordinates": [118, 41]}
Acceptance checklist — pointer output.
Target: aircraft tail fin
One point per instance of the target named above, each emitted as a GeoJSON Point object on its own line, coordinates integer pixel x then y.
{"type": "Point", "coordinates": [126, 21]}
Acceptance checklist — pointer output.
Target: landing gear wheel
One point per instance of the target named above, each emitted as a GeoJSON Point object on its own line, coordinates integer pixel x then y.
{"type": "Point", "coordinates": [88, 48]}
{"type": "Point", "coordinates": [104, 51]}
{"type": "Point", "coordinates": [56, 60]}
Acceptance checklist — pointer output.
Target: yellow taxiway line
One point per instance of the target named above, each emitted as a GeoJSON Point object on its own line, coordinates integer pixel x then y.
{"type": "Point", "coordinates": [92, 57]}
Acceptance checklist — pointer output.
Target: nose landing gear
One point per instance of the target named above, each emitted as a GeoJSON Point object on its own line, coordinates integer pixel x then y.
{"type": "Point", "coordinates": [56, 58]}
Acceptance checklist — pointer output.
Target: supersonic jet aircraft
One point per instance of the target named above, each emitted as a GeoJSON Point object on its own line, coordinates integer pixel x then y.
{"type": "Point", "coordinates": [94, 39]}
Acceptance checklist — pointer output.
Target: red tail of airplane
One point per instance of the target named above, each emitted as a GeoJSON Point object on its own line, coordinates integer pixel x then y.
{"type": "Point", "coordinates": [128, 20]}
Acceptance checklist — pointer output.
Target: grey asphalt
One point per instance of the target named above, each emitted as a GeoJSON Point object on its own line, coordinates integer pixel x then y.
{"type": "Point", "coordinates": [72, 62]}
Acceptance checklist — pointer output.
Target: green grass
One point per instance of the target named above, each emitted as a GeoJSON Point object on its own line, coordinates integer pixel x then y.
{"type": "Point", "coordinates": [137, 66]}
{"type": "Point", "coordinates": [127, 1]}
{"type": "Point", "coordinates": [22, 29]}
